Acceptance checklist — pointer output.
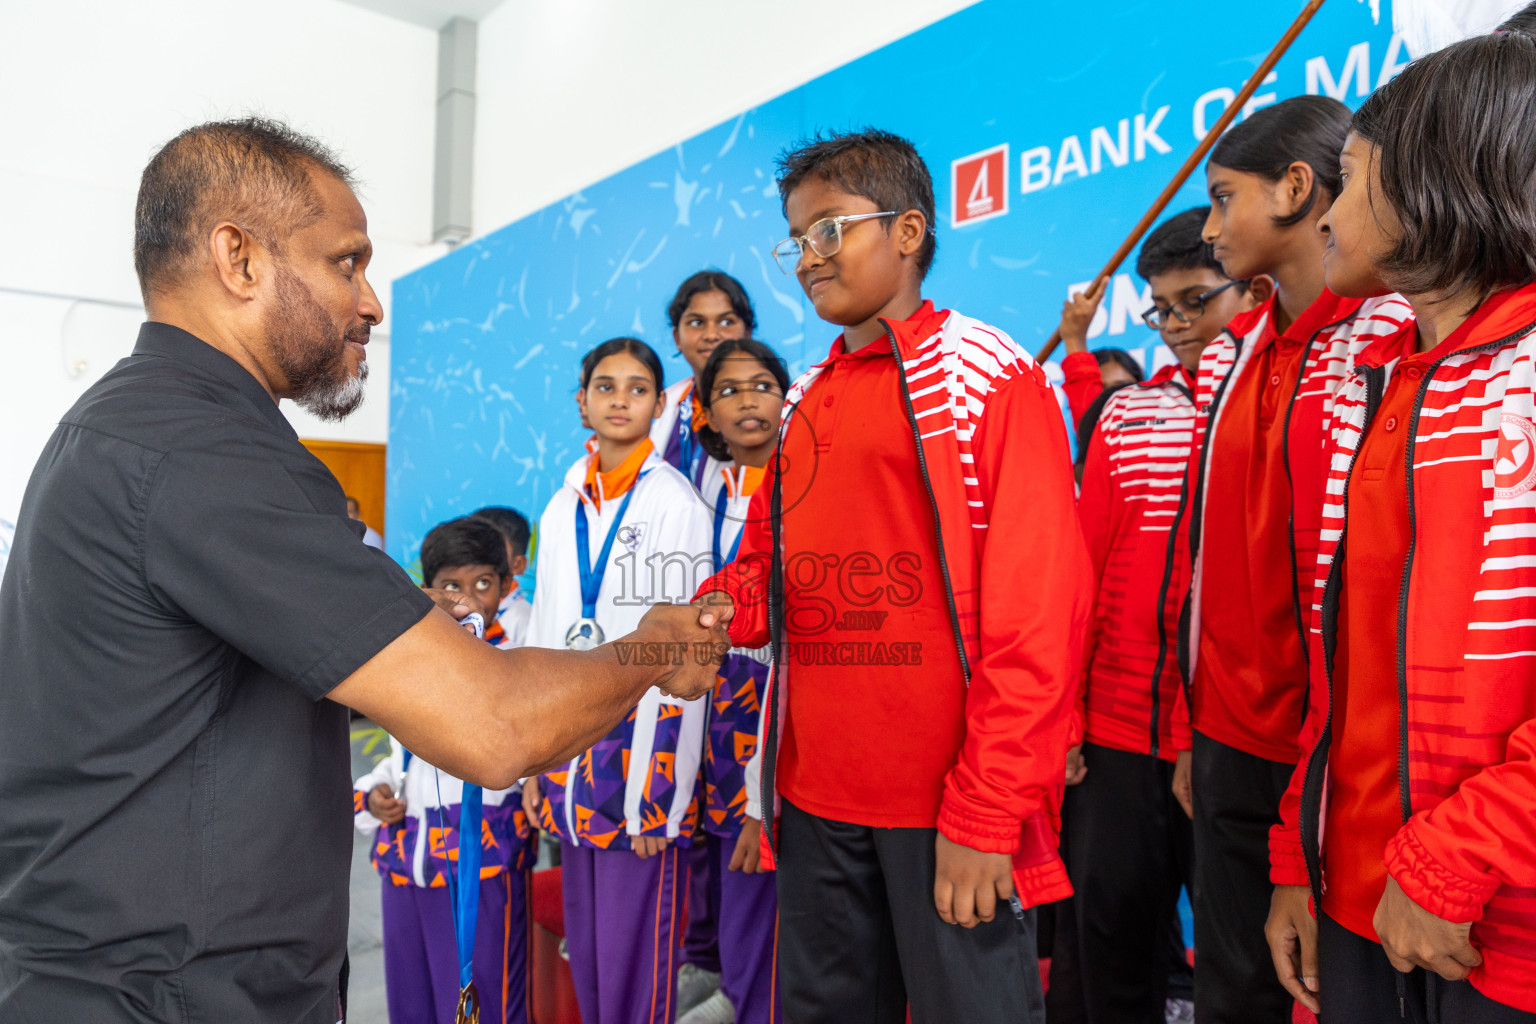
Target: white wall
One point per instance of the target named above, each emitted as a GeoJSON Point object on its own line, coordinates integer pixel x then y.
{"type": "Point", "coordinates": [571, 92]}
{"type": "Point", "coordinates": [568, 93]}
{"type": "Point", "coordinates": [89, 89]}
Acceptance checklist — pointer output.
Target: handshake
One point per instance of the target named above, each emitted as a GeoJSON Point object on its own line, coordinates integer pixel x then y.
{"type": "Point", "coordinates": [684, 643]}
{"type": "Point", "coordinates": [678, 647]}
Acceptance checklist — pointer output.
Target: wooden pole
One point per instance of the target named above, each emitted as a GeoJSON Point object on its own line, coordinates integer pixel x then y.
{"type": "Point", "coordinates": [1156, 209]}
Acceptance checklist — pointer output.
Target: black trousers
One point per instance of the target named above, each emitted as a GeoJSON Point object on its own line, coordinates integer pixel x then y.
{"type": "Point", "coordinates": [1357, 984]}
{"type": "Point", "coordinates": [860, 941]}
{"type": "Point", "coordinates": [1128, 849]}
{"type": "Point", "coordinates": [1237, 799]}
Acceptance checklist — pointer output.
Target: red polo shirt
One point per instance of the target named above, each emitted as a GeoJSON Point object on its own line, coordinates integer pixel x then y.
{"type": "Point", "coordinates": [1364, 798]}
{"type": "Point", "coordinates": [1250, 684]}
{"type": "Point", "coordinates": [865, 740]}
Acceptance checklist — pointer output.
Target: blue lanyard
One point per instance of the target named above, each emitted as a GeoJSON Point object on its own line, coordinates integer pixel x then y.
{"type": "Point", "coordinates": [463, 880]}
{"type": "Point", "coordinates": [719, 531]}
{"type": "Point", "coordinates": [592, 578]}
{"type": "Point", "coordinates": [467, 897]}
{"type": "Point", "coordinates": [690, 454]}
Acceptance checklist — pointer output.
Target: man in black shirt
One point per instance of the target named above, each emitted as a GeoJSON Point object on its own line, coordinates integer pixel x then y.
{"type": "Point", "coordinates": [184, 594]}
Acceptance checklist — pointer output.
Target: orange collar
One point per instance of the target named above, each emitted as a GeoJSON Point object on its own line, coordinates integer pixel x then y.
{"type": "Point", "coordinates": [742, 481]}
{"type": "Point", "coordinates": [613, 484]}
{"type": "Point", "coordinates": [700, 415]}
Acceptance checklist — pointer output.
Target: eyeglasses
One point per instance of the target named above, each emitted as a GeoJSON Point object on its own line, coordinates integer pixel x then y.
{"type": "Point", "coordinates": [729, 390]}
{"type": "Point", "coordinates": [1187, 310]}
{"type": "Point", "coordinates": [825, 239]}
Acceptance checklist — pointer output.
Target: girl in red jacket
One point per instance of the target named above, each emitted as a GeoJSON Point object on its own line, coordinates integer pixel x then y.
{"type": "Point", "coordinates": [1263, 393]}
{"type": "Point", "coordinates": [1409, 822]}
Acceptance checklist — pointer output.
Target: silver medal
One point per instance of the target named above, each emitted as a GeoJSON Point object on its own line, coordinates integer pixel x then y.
{"type": "Point", "coordinates": [584, 635]}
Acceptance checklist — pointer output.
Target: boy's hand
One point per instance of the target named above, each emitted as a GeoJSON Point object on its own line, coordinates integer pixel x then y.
{"type": "Point", "coordinates": [384, 805]}
{"type": "Point", "coordinates": [748, 855]}
{"type": "Point", "coordinates": [532, 801]}
{"type": "Point", "coordinates": [1077, 769]}
{"type": "Point", "coordinates": [450, 601]}
{"type": "Point", "coordinates": [699, 638]}
{"type": "Point", "coordinates": [1183, 785]}
{"type": "Point", "coordinates": [716, 604]}
{"type": "Point", "coordinates": [648, 846]}
{"type": "Point", "coordinates": [1413, 937]}
{"type": "Point", "coordinates": [967, 884]}
{"type": "Point", "coordinates": [1292, 934]}
{"type": "Point", "coordinates": [1077, 314]}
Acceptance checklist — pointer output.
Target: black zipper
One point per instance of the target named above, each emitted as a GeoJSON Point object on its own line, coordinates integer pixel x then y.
{"type": "Point", "coordinates": [1404, 798]}
{"type": "Point", "coordinates": [775, 634]}
{"type": "Point", "coordinates": [1162, 598]}
{"type": "Point", "coordinates": [1328, 624]}
{"type": "Point", "coordinates": [938, 527]}
{"type": "Point", "coordinates": [1192, 502]}
{"type": "Point", "coordinates": [1290, 483]}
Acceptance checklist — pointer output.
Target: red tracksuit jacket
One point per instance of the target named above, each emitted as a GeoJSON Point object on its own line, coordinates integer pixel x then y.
{"type": "Point", "coordinates": [1465, 642]}
{"type": "Point", "coordinates": [1019, 580]}
{"type": "Point", "coordinates": [1130, 509]}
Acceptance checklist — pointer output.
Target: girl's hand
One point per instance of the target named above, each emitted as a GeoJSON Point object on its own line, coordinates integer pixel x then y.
{"type": "Point", "coordinates": [384, 805]}
{"type": "Point", "coordinates": [532, 801]}
{"type": "Point", "coordinates": [648, 846]}
{"type": "Point", "coordinates": [748, 855]}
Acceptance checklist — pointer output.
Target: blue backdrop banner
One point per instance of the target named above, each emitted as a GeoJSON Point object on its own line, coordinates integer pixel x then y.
{"type": "Point", "coordinates": [1049, 129]}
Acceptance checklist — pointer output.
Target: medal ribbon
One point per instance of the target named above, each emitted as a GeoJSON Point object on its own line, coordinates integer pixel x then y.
{"type": "Point", "coordinates": [720, 503]}
{"type": "Point", "coordinates": [592, 578]}
{"type": "Point", "coordinates": [690, 454]}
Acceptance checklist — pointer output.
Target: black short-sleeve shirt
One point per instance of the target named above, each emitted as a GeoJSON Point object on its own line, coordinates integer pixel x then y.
{"type": "Point", "coordinates": [175, 814]}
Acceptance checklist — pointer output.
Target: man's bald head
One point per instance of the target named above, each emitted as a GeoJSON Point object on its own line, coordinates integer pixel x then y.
{"type": "Point", "coordinates": [253, 172]}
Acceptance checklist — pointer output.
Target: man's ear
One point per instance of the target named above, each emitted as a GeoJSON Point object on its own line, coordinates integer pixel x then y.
{"type": "Point", "coordinates": [239, 260]}
{"type": "Point", "coordinates": [1260, 288]}
{"type": "Point", "coordinates": [910, 230]}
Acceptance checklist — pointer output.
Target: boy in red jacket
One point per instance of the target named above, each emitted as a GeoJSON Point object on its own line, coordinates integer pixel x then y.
{"type": "Point", "coordinates": [1128, 842]}
{"type": "Point", "coordinates": [929, 598]}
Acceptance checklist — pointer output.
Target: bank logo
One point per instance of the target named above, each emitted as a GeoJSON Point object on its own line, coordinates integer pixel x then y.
{"type": "Point", "coordinates": [979, 185]}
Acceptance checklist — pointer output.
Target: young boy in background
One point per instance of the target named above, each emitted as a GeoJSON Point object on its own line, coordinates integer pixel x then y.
{"type": "Point", "coordinates": [924, 694]}
{"type": "Point", "coordinates": [1127, 839]}
{"type": "Point", "coordinates": [412, 811]}
{"type": "Point", "coordinates": [515, 608]}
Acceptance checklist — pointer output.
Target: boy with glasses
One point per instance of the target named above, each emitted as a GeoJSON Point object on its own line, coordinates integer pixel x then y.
{"type": "Point", "coordinates": [1127, 841]}
{"type": "Point", "coordinates": [930, 596]}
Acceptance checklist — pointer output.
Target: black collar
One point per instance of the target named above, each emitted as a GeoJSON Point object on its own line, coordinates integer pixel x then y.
{"type": "Point", "coordinates": [167, 342]}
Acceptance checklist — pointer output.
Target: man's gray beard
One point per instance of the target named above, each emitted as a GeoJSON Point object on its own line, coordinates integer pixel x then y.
{"type": "Point", "coordinates": [318, 380]}
{"type": "Point", "coordinates": [336, 400]}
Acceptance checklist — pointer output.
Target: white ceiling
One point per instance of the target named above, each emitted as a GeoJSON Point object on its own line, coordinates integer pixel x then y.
{"type": "Point", "coordinates": [433, 14]}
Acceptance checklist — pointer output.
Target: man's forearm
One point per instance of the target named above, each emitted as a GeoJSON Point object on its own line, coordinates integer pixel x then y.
{"type": "Point", "coordinates": [559, 703]}
{"type": "Point", "coordinates": [492, 717]}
